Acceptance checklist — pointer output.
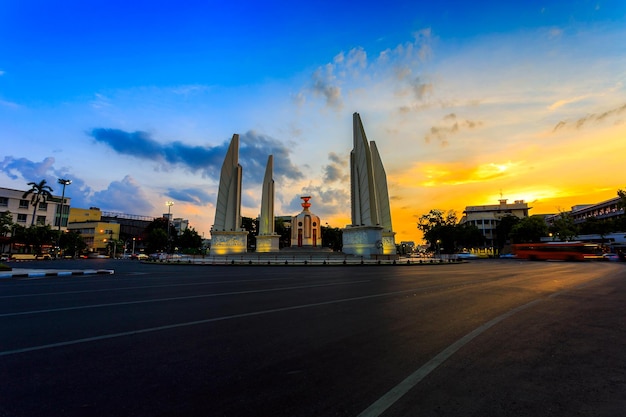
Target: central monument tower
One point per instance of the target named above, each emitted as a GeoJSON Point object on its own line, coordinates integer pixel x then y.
{"type": "Point", "coordinates": [370, 233]}
{"type": "Point", "coordinates": [227, 236]}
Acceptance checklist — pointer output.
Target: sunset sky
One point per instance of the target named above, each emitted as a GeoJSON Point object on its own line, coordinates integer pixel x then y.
{"type": "Point", "coordinates": [136, 102]}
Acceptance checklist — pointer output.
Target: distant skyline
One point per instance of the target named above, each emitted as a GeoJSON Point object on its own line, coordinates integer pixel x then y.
{"type": "Point", "coordinates": [136, 103]}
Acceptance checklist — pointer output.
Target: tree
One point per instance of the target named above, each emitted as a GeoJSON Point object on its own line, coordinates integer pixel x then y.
{"type": "Point", "coordinates": [439, 229]}
{"type": "Point", "coordinates": [189, 242]}
{"type": "Point", "coordinates": [620, 223]}
{"type": "Point", "coordinates": [72, 243]}
{"type": "Point", "coordinates": [529, 229]}
{"type": "Point", "coordinates": [503, 230]}
{"type": "Point", "coordinates": [252, 227]}
{"type": "Point", "coordinates": [156, 240]}
{"type": "Point", "coordinates": [35, 238]}
{"type": "Point", "coordinates": [40, 193]}
{"type": "Point", "coordinates": [469, 236]}
{"type": "Point", "coordinates": [156, 235]}
{"type": "Point", "coordinates": [284, 232]}
{"type": "Point", "coordinates": [434, 218]}
{"type": "Point", "coordinates": [622, 200]}
{"type": "Point", "coordinates": [563, 227]}
{"type": "Point", "coordinates": [6, 225]}
{"type": "Point", "coordinates": [332, 237]}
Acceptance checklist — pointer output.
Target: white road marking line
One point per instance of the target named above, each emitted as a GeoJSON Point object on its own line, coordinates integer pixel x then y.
{"type": "Point", "coordinates": [156, 300]}
{"type": "Point", "coordinates": [197, 322]}
{"type": "Point", "coordinates": [387, 400]}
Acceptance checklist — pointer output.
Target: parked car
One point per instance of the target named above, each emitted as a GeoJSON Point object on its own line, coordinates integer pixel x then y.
{"type": "Point", "coordinates": [139, 256]}
{"type": "Point", "coordinates": [507, 256]}
{"type": "Point", "coordinates": [610, 257]}
{"type": "Point", "coordinates": [4, 257]}
{"type": "Point", "coordinates": [466, 255]}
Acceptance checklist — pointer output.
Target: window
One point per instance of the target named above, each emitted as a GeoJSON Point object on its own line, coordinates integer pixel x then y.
{"type": "Point", "coordinates": [23, 203]}
{"type": "Point", "coordinates": [43, 206]}
{"type": "Point", "coordinates": [21, 218]}
{"type": "Point", "coordinates": [41, 220]}
{"type": "Point", "coordinates": [4, 202]}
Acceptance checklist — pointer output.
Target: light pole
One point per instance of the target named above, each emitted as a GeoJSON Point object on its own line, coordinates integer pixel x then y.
{"type": "Point", "coordinates": [64, 182]}
{"type": "Point", "coordinates": [169, 205]}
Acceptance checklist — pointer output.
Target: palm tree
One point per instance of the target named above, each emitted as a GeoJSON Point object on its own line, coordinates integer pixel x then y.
{"type": "Point", "coordinates": [40, 193]}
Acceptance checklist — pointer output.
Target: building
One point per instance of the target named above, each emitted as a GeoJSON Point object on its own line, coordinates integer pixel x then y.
{"type": "Point", "coordinates": [601, 211]}
{"type": "Point", "coordinates": [96, 233]}
{"type": "Point", "coordinates": [486, 218]}
{"type": "Point", "coordinates": [52, 212]}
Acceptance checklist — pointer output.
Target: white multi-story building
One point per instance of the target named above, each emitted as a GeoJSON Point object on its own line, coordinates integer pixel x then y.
{"type": "Point", "coordinates": [50, 212]}
{"type": "Point", "coordinates": [487, 217]}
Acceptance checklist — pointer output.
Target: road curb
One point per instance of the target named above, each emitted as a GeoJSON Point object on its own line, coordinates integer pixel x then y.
{"type": "Point", "coordinates": [52, 273]}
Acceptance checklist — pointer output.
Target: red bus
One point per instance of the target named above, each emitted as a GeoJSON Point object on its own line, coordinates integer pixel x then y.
{"type": "Point", "coordinates": [559, 251]}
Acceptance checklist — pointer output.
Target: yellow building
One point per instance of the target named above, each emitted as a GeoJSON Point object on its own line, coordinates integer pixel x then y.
{"type": "Point", "coordinates": [96, 233]}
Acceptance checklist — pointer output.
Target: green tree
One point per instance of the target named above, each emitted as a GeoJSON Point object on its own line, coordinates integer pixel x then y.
{"type": "Point", "coordinates": [563, 227]}
{"type": "Point", "coordinates": [156, 235]}
{"type": "Point", "coordinates": [529, 229]}
{"type": "Point", "coordinates": [6, 226]}
{"type": "Point", "coordinates": [72, 243]}
{"type": "Point", "coordinates": [468, 236]}
{"type": "Point", "coordinates": [189, 242]}
{"type": "Point", "coordinates": [620, 223]}
{"type": "Point", "coordinates": [284, 232]}
{"type": "Point", "coordinates": [503, 230]}
{"type": "Point", "coordinates": [35, 238]}
{"type": "Point", "coordinates": [622, 200]}
{"type": "Point", "coordinates": [332, 237]}
{"type": "Point", "coordinates": [438, 228]}
{"type": "Point", "coordinates": [156, 240]}
{"type": "Point", "coordinates": [251, 226]}
{"type": "Point", "coordinates": [39, 193]}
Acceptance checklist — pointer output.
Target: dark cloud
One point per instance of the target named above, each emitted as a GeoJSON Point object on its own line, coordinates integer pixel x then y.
{"type": "Point", "coordinates": [580, 123]}
{"type": "Point", "coordinates": [140, 145]}
{"type": "Point", "coordinates": [27, 169]}
{"type": "Point", "coordinates": [32, 171]}
{"type": "Point", "coordinates": [322, 85]}
{"type": "Point", "coordinates": [337, 169]}
{"type": "Point", "coordinates": [191, 195]}
{"type": "Point", "coordinates": [253, 152]}
{"type": "Point", "coordinates": [453, 126]}
{"type": "Point", "coordinates": [325, 201]}
{"type": "Point", "coordinates": [421, 89]}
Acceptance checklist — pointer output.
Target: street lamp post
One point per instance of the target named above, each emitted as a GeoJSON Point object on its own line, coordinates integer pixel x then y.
{"type": "Point", "coordinates": [64, 182]}
{"type": "Point", "coordinates": [169, 205]}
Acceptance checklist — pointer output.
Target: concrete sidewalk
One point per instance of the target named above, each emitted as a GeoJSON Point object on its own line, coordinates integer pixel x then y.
{"type": "Point", "coordinates": [38, 273]}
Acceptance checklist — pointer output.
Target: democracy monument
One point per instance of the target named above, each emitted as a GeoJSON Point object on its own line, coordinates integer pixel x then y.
{"type": "Point", "coordinates": [370, 234]}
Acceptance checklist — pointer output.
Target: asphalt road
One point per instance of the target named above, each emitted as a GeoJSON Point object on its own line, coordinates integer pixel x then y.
{"type": "Point", "coordinates": [485, 338]}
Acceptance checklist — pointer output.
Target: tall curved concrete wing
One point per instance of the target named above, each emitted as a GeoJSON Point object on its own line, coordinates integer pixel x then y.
{"type": "Point", "coordinates": [266, 220]}
{"type": "Point", "coordinates": [363, 190]}
{"type": "Point", "coordinates": [228, 205]}
{"type": "Point", "coordinates": [382, 193]}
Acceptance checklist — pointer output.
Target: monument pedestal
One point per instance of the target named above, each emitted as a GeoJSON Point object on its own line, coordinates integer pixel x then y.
{"type": "Point", "coordinates": [267, 243]}
{"type": "Point", "coordinates": [229, 243]}
{"type": "Point", "coordinates": [363, 241]}
{"type": "Point", "coordinates": [389, 243]}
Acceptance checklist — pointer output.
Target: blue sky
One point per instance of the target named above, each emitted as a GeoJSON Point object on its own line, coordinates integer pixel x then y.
{"type": "Point", "coordinates": [136, 102]}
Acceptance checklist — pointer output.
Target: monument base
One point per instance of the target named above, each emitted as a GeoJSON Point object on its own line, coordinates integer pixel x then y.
{"type": "Point", "coordinates": [389, 243]}
{"type": "Point", "coordinates": [363, 241]}
{"type": "Point", "coordinates": [229, 243]}
{"type": "Point", "coordinates": [267, 243]}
